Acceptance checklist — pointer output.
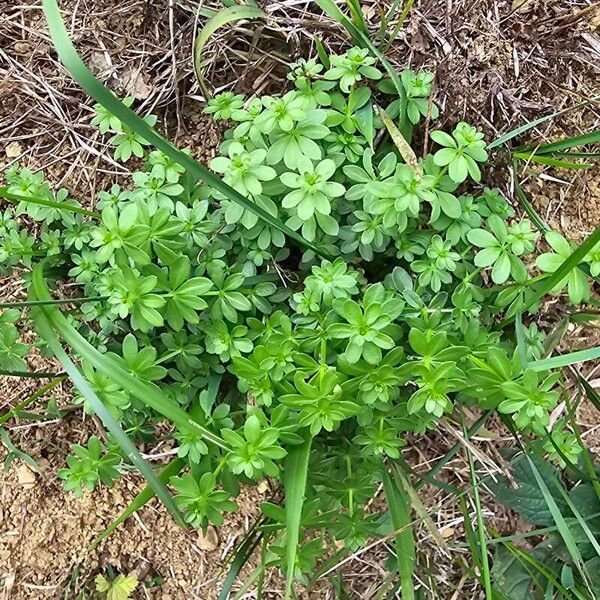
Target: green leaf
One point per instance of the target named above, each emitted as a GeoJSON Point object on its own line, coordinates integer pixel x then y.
{"type": "Point", "coordinates": [526, 499]}
{"type": "Point", "coordinates": [104, 96]}
{"type": "Point", "coordinates": [364, 121]}
{"type": "Point", "coordinates": [236, 12]}
{"type": "Point", "coordinates": [149, 394]}
{"type": "Point", "coordinates": [103, 413]}
{"type": "Point", "coordinates": [564, 360]}
{"type": "Point", "coordinates": [519, 130]}
{"type": "Point", "coordinates": [119, 589]}
{"type": "Point", "coordinates": [399, 505]}
{"type": "Point", "coordinates": [294, 482]}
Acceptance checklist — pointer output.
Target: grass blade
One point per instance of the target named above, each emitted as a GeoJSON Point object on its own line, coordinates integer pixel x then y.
{"type": "Point", "coordinates": [149, 394]}
{"type": "Point", "coordinates": [128, 448]}
{"type": "Point", "coordinates": [551, 162]}
{"type": "Point", "coordinates": [559, 520]}
{"type": "Point", "coordinates": [236, 12]}
{"type": "Point", "coordinates": [172, 469]}
{"type": "Point", "coordinates": [363, 41]}
{"type": "Point", "coordinates": [243, 553]}
{"type": "Point", "coordinates": [78, 70]}
{"type": "Point", "coordinates": [31, 399]}
{"type": "Point", "coordinates": [51, 301]}
{"type": "Point", "coordinates": [31, 374]}
{"type": "Point", "coordinates": [399, 504]}
{"type": "Point", "coordinates": [519, 130]}
{"type": "Point", "coordinates": [16, 198]}
{"type": "Point", "coordinates": [485, 565]}
{"type": "Point", "coordinates": [294, 482]}
{"type": "Point", "coordinates": [524, 201]}
{"type": "Point", "coordinates": [564, 360]}
{"type": "Point", "coordinates": [592, 137]}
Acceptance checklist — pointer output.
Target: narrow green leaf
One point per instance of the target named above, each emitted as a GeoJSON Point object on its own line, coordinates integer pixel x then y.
{"type": "Point", "coordinates": [591, 393]}
{"type": "Point", "coordinates": [357, 15]}
{"type": "Point", "coordinates": [530, 125]}
{"type": "Point", "coordinates": [236, 12]}
{"type": "Point", "coordinates": [170, 470]}
{"type": "Point", "coordinates": [149, 394]}
{"type": "Point", "coordinates": [31, 399]}
{"type": "Point", "coordinates": [322, 53]}
{"type": "Point", "coordinates": [364, 42]}
{"type": "Point", "coordinates": [485, 565]}
{"type": "Point", "coordinates": [243, 553]}
{"type": "Point", "coordinates": [564, 360]}
{"type": "Point", "coordinates": [399, 506]}
{"type": "Point", "coordinates": [592, 137]}
{"type": "Point", "coordinates": [365, 122]}
{"type": "Point", "coordinates": [16, 198]}
{"type": "Point", "coordinates": [30, 374]}
{"type": "Point", "coordinates": [104, 96]}
{"type": "Point", "coordinates": [26, 303]}
{"type": "Point", "coordinates": [128, 448]}
{"type": "Point", "coordinates": [551, 162]}
{"type": "Point", "coordinates": [524, 201]}
{"type": "Point", "coordinates": [294, 482]}
{"type": "Point", "coordinates": [558, 518]}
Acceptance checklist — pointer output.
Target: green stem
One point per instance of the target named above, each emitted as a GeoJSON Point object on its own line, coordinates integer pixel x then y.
{"type": "Point", "coordinates": [28, 401]}
{"type": "Point", "coordinates": [25, 303]}
{"type": "Point", "coordinates": [30, 374]}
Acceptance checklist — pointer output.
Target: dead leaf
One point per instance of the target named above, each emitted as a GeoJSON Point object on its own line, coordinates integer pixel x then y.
{"type": "Point", "coordinates": [26, 476]}
{"type": "Point", "coordinates": [135, 85]}
{"type": "Point", "coordinates": [13, 150]}
{"type": "Point", "coordinates": [209, 540]}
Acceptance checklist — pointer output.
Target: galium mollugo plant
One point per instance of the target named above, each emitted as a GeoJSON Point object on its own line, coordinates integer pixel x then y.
{"type": "Point", "coordinates": [358, 351]}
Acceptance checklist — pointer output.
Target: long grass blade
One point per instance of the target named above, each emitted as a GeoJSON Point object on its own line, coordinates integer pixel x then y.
{"type": "Point", "coordinates": [234, 13]}
{"type": "Point", "coordinates": [524, 201]}
{"type": "Point", "coordinates": [294, 482]}
{"type": "Point", "coordinates": [531, 124]}
{"type": "Point", "coordinates": [592, 137]}
{"type": "Point", "coordinates": [17, 198]}
{"type": "Point", "coordinates": [399, 506]}
{"type": "Point", "coordinates": [149, 394]}
{"type": "Point", "coordinates": [172, 469]}
{"type": "Point", "coordinates": [558, 518]}
{"type": "Point", "coordinates": [31, 399]}
{"type": "Point", "coordinates": [84, 77]}
{"type": "Point", "coordinates": [243, 553]}
{"type": "Point", "coordinates": [128, 448]}
{"type": "Point", "coordinates": [564, 360]}
{"type": "Point", "coordinates": [485, 565]}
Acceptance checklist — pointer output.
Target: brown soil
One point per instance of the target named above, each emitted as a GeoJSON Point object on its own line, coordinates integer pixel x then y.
{"type": "Point", "coordinates": [498, 64]}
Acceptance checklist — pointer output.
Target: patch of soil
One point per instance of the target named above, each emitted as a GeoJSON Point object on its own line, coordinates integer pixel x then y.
{"type": "Point", "coordinates": [45, 532]}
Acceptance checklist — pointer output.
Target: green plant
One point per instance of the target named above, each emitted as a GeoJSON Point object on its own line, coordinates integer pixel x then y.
{"type": "Point", "coordinates": [551, 568]}
{"type": "Point", "coordinates": [266, 358]}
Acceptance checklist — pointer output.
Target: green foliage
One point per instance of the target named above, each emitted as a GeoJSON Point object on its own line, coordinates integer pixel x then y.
{"type": "Point", "coordinates": [552, 564]}
{"type": "Point", "coordinates": [120, 588]}
{"type": "Point", "coordinates": [89, 465]}
{"type": "Point", "coordinates": [327, 364]}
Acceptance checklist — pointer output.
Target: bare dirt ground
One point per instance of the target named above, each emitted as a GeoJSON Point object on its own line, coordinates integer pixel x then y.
{"type": "Point", "coordinates": [498, 64]}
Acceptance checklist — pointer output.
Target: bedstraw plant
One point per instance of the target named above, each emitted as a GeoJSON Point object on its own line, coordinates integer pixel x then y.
{"type": "Point", "coordinates": [272, 357]}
